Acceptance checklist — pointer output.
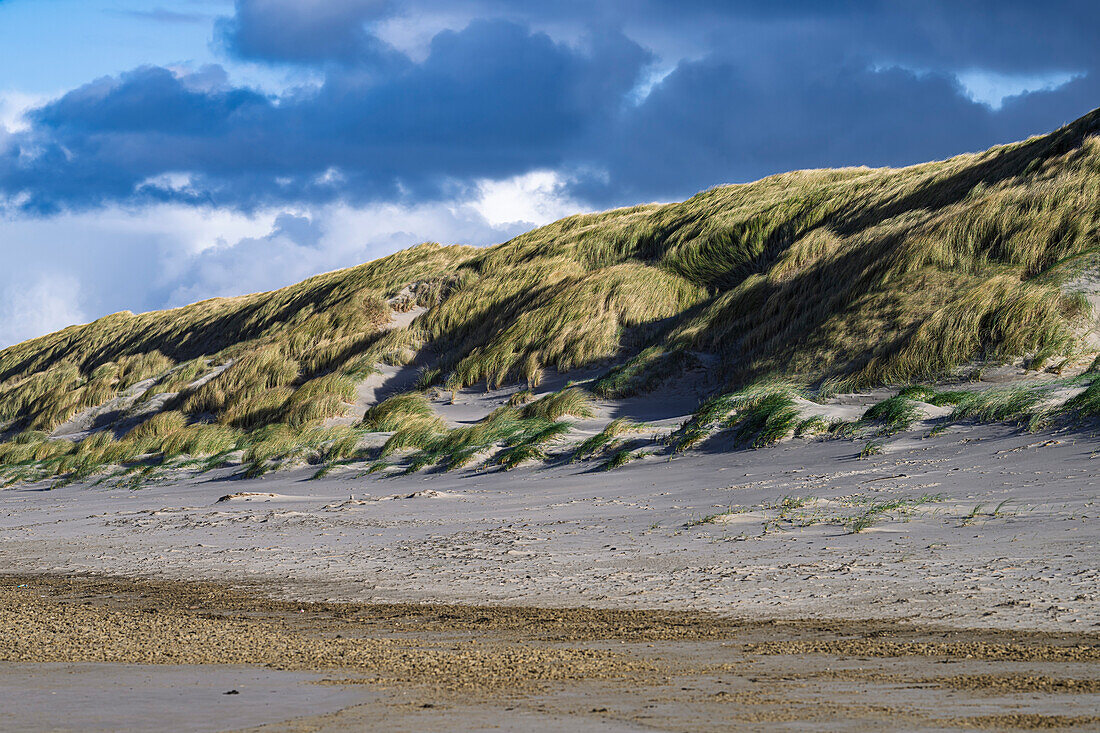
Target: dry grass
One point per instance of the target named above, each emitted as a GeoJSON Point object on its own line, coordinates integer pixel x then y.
{"type": "Point", "coordinates": [570, 401]}
{"type": "Point", "coordinates": [854, 277]}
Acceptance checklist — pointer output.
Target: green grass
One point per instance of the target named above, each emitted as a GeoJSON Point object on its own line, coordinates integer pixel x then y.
{"type": "Point", "coordinates": [1086, 405]}
{"type": "Point", "coordinates": [399, 411]}
{"type": "Point", "coordinates": [812, 425]}
{"type": "Point", "coordinates": [605, 438]}
{"type": "Point", "coordinates": [622, 457]}
{"type": "Point", "coordinates": [896, 414]}
{"type": "Point", "coordinates": [847, 278]}
{"type": "Point", "coordinates": [872, 448]}
{"type": "Point", "coordinates": [765, 420]}
{"type": "Point", "coordinates": [758, 416]}
{"type": "Point", "coordinates": [879, 508]}
{"type": "Point", "coordinates": [1012, 405]}
{"type": "Point", "coordinates": [570, 401]}
{"type": "Point", "coordinates": [532, 443]}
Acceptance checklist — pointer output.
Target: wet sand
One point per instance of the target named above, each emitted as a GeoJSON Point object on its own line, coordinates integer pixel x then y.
{"type": "Point", "coordinates": [300, 666]}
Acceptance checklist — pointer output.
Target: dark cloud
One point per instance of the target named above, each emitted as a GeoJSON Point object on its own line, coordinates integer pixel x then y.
{"type": "Point", "coordinates": [764, 87]}
{"type": "Point", "coordinates": [490, 100]}
{"type": "Point", "coordinates": [308, 31]}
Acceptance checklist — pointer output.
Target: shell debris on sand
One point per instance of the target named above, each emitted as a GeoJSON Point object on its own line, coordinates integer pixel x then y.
{"type": "Point", "coordinates": [368, 499]}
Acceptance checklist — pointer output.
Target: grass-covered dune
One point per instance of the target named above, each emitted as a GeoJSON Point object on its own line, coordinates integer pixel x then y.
{"type": "Point", "coordinates": [858, 276]}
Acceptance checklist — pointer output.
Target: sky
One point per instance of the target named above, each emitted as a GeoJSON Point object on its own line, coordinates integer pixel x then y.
{"type": "Point", "coordinates": [157, 153]}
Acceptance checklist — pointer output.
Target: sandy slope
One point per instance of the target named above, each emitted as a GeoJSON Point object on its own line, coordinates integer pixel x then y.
{"type": "Point", "coordinates": [1006, 536]}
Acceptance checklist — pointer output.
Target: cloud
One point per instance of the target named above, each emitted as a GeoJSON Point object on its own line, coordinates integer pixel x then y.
{"type": "Point", "coordinates": [767, 87]}
{"type": "Point", "coordinates": [87, 264]}
{"type": "Point", "coordinates": [490, 101]}
{"type": "Point", "coordinates": [307, 31]}
{"type": "Point", "coordinates": [164, 15]}
{"type": "Point", "coordinates": [530, 199]}
{"type": "Point", "coordinates": [469, 122]}
{"type": "Point", "coordinates": [40, 305]}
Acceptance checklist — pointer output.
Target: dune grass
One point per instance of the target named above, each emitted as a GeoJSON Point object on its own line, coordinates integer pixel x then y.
{"type": "Point", "coordinates": [605, 439]}
{"type": "Point", "coordinates": [1020, 405]}
{"type": "Point", "coordinates": [854, 278]}
{"type": "Point", "coordinates": [757, 416]}
{"type": "Point", "coordinates": [896, 414]}
{"type": "Point", "coordinates": [397, 411]}
{"type": "Point", "coordinates": [520, 432]}
{"type": "Point", "coordinates": [570, 401]}
{"type": "Point", "coordinates": [1085, 405]}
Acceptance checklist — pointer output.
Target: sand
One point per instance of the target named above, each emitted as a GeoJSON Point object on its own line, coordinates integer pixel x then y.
{"type": "Point", "coordinates": [996, 528]}
{"type": "Point", "coordinates": [127, 655]}
{"type": "Point", "coordinates": [981, 530]}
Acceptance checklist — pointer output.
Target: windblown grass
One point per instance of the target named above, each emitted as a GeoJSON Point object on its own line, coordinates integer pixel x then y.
{"type": "Point", "coordinates": [758, 416]}
{"type": "Point", "coordinates": [1010, 405]}
{"type": "Point", "coordinates": [1086, 405]}
{"type": "Point", "coordinates": [570, 401]}
{"type": "Point", "coordinates": [398, 411]}
{"type": "Point", "coordinates": [853, 278]}
{"type": "Point", "coordinates": [531, 445]}
{"type": "Point", "coordinates": [897, 413]}
{"type": "Point", "coordinates": [605, 438]}
{"type": "Point", "coordinates": [520, 436]}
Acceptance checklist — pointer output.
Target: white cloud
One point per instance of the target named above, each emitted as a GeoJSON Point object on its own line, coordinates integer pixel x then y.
{"type": "Point", "coordinates": [992, 89]}
{"type": "Point", "coordinates": [42, 304]}
{"type": "Point", "coordinates": [536, 198]}
{"type": "Point", "coordinates": [168, 255]}
{"type": "Point", "coordinates": [14, 106]}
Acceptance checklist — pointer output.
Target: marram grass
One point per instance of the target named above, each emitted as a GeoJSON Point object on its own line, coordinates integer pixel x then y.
{"type": "Point", "coordinates": [853, 278]}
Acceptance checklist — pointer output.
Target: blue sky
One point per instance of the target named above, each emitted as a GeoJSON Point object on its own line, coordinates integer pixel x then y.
{"type": "Point", "coordinates": [154, 153]}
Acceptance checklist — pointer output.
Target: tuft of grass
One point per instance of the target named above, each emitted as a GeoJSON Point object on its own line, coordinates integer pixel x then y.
{"type": "Point", "coordinates": [399, 411]}
{"type": "Point", "coordinates": [319, 398]}
{"type": "Point", "coordinates": [520, 398]}
{"type": "Point", "coordinates": [643, 372]}
{"type": "Point", "coordinates": [604, 438]}
{"type": "Point", "coordinates": [759, 415]}
{"type": "Point", "coordinates": [765, 420]}
{"type": "Point", "coordinates": [872, 448]}
{"type": "Point", "coordinates": [1085, 405]}
{"type": "Point", "coordinates": [878, 509]}
{"type": "Point", "coordinates": [570, 401]}
{"type": "Point", "coordinates": [897, 413]}
{"type": "Point", "coordinates": [1013, 405]}
{"type": "Point", "coordinates": [622, 457]}
{"type": "Point", "coordinates": [812, 425]}
{"type": "Point", "coordinates": [932, 396]}
{"type": "Point", "coordinates": [531, 444]}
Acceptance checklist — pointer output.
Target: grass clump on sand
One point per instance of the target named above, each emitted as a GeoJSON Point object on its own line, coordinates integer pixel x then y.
{"type": "Point", "coordinates": [896, 414]}
{"type": "Point", "coordinates": [398, 411]}
{"type": "Point", "coordinates": [642, 372]}
{"type": "Point", "coordinates": [457, 447]}
{"type": "Point", "coordinates": [1020, 405]}
{"type": "Point", "coordinates": [764, 419]}
{"type": "Point", "coordinates": [812, 425]}
{"type": "Point", "coordinates": [522, 432]}
{"type": "Point", "coordinates": [1086, 405]}
{"type": "Point", "coordinates": [605, 438]}
{"type": "Point", "coordinates": [279, 445]}
{"type": "Point", "coordinates": [758, 416]}
{"type": "Point", "coordinates": [878, 509]}
{"type": "Point", "coordinates": [570, 401]}
{"type": "Point", "coordinates": [531, 443]}
{"type": "Point", "coordinates": [620, 458]}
